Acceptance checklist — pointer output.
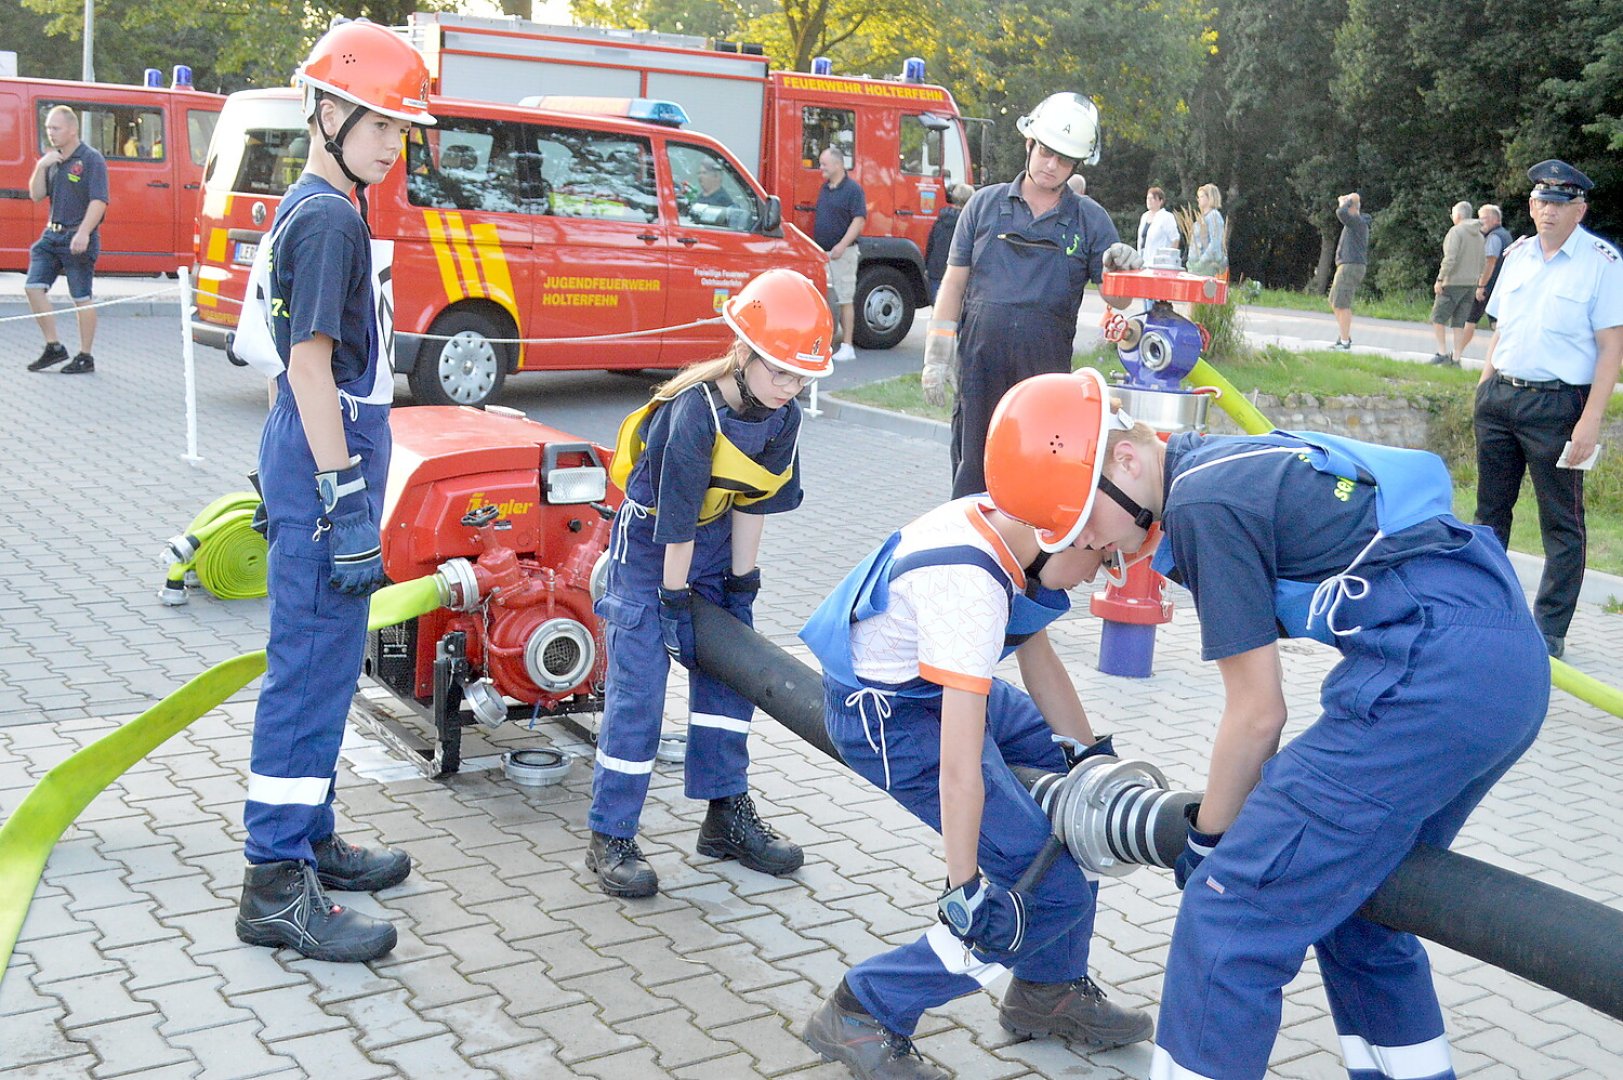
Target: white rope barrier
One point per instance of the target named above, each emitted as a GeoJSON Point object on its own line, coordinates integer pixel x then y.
{"type": "Point", "coordinates": [69, 309]}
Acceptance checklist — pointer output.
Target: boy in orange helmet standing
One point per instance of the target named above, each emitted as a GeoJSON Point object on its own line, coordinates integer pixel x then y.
{"type": "Point", "coordinates": [323, 459]}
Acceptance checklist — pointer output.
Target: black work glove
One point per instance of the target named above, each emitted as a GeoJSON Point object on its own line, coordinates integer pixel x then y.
{"type": "Point", "coordinates": [676, 624]}
{"type": "Point", "coordinates": [1076, 753]}
{"type": "Point", "coordinates": [984, 915]}
{"type": "Point", "coordinates": [738, 595]}
{"type": "Point", "coordinates": [1195, 851]}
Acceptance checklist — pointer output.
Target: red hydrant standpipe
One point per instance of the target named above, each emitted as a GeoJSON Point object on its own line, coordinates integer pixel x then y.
{"type": "Point", "coordinates": [1158, 348]}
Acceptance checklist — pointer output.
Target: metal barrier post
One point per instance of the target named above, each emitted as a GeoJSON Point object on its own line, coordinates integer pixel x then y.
{"type": "Point", "coordinates": [188, 311]}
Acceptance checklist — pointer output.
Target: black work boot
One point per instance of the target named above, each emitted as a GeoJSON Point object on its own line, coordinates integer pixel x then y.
{"type": "Point", "coordinates": [83, 364]}
{"type": "Point", "coordinates": [842, 1030]}
{"type": "Point", "coordinates": [349, 868]}
{"type": "Point", "coordinates": [1075, 1010]}
{"type": "Point", "coordinates": [733, 830]}
{"type": "Point", "coordinates": [282, 904]}
{"type": "Point", "coordinates": [54, 354]}
{"type": "Point", "coordinates": [620, 867]}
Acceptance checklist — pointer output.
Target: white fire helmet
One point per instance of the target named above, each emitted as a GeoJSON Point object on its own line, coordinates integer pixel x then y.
{"type": "Point", "coordinates": [1067, 124]}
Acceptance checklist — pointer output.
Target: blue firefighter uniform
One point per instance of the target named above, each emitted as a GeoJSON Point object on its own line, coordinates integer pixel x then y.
{"type": "Point", "coordinates": [686, 464]}
{"type": "Point", "coordinates": [323, 282]}
{"type": "Point", "coordinates": [1026, 281]}
{"type": "Point", "coordinates": [1442, 685]}
{"type": "Point", "coordinates": [890, 733]}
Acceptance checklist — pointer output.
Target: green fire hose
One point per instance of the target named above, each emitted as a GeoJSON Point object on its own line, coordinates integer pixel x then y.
{"type": "Point", "coordinates": [1563, 676]}
{"type": "Point", "coordinates": [222, 549]}
{"type": "Point", "coordinates": [27, 837]}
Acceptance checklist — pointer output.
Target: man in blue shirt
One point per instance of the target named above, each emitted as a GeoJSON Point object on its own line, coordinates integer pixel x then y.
{"type": "Point", "coordinates": [74, 177]}
{"type": "Point", "coordinates": [842, 211]}
{"type": "Point", "coordinates": [1551, 367]}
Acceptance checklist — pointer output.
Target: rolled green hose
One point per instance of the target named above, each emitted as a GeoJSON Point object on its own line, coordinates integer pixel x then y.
{"type": "Point", "coordinates": [27, 837]}
{"type": "Point", "coordinates": [231, 564]}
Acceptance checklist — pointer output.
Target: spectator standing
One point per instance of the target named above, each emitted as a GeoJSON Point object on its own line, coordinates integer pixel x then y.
{"type": "Point", "coordinates": [1157, 230]}
{"type": "Point", "coordinates": [842, 211]}
{"type": "Point", "coordinates": [940, 242]}
{"type": "Point", "coordinates": [1496, 239]}
{"type": "Point", "coordinates": [73, 176]}
{"type": "Point", "coordinates": [1208, 248]}
{"type": "Point", "coordinates": [1021, 257]}
{"type": "Point", "coordinates": [1455, 287]}
{"type": "Point", "coordinates": [1551, 367]}
{"type": "Point", "coordinates": [1352, 258]}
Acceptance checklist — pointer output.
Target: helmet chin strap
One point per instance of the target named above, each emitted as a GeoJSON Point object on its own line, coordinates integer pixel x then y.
{"type": "Point", "coordinates": [335, 145]}
{"type": "Point", "coordinates": [1141, 516]}
{"type": "Point", "coordinates": [744, 391]}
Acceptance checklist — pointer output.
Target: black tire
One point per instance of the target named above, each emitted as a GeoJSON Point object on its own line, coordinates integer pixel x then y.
{"type": "Point", "coordinates": [468, 369]}
{"type": "Point", "coordinates": [884, 307]}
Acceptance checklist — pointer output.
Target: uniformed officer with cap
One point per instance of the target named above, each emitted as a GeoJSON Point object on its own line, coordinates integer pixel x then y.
{"type": "Point", "coordinates": [1551, 367]}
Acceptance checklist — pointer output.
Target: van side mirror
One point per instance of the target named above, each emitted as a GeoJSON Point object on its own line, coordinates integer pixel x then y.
{"type": "Point", "coordinates": [771, 215]}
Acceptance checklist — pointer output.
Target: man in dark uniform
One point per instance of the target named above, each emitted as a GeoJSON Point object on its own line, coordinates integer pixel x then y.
{"type": "Point", "coordinates": [74, 177]}
{"type": "Point", "coordinates": [1021, 257]}
{"type": "Point", "coordinates": [1551, 367]}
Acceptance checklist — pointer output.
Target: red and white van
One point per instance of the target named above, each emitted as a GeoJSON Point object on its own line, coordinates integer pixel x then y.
{"type": "Point", "coordinates": [154, 140]}
{"type": "Point", "coordinates": [517, 223]}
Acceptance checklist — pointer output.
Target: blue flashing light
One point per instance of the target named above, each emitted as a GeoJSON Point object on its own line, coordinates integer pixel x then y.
{"type": "Point", "coordinates": [183, 76]}
{"type": "Point", "coordinates": [822, 65]}
{"type": "Point", "coordinates": [913, 69]}
{"type": "Point", "coordinates": [656, 111]}
{"type": "Point", "coordinates": [154, 78]}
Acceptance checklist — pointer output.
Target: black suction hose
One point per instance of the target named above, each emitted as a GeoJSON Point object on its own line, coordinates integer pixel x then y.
{"type": "Point", "coordinates": [1546, 935]}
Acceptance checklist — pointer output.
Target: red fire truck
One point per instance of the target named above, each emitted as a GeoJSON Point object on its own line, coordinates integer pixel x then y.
{"type": "Point", "coordinates": [511, 223]}
{"type": "Point", "coordinates": [153, 138]}
{"type": "Point", "coordinates": [903, 139]}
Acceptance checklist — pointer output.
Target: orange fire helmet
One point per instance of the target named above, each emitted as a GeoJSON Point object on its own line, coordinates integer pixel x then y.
{"type": "Point", "coordinates": [781, 315]}
{"type": "Point", "coordinates": [374, 67]}
{"type": "Point", "coordinates": [1045, 451]}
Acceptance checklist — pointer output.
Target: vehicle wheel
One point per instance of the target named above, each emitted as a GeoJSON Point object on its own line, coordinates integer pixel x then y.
{"type": "Point", "coordinates": [884, 307]}
{"type": "Point", "coordinates": [468, 369]}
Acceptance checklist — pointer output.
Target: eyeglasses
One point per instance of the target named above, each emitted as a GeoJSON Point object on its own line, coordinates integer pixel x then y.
{"type": "Point", "coordinates": [781, 378]}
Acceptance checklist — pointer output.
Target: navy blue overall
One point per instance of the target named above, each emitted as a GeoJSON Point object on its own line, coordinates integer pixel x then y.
{"type": "Point", "coordinates": [891, 735]}
{"type": "Point", "coordinates": [1018, 318]}
{"type": "Point", "coordinates": [317, 635]}
{"type": "Point", "coordinates": [1442, 685]}
{"type": "Point", "coordinates": [717, 763]}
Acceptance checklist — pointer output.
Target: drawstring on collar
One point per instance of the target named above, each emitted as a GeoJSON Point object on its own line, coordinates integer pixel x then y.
{"type": "Point", "coordinates": [881, 699]}
{"type": "Point", "coordinates": [1343, 586]}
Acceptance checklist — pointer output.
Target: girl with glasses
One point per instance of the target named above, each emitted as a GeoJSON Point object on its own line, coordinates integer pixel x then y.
{"type": "Point", "coordinates": [701, 465]}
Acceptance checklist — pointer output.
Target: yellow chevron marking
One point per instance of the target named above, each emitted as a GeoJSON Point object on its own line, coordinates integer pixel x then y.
{"type": "Point", "coordinates": [466, 263]}
{"type": "Point", "coordinates": [217, 245]}
{"type": "Point", "coordinates": [442, 254]}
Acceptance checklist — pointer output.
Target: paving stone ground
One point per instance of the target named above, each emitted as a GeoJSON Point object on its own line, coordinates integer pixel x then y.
{"type": "Point", "coordinates": [510, 963]}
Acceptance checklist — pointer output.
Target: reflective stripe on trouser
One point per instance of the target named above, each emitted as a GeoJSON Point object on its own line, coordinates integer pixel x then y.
{"type": "Point", "coordinates": [717, 762]}
{"type": "Point", "coordinates": [1334, 814]}
{"type": "Point", "coordinates": [317, 640]}
{"type": "Point", "coordinates": [898, 986]}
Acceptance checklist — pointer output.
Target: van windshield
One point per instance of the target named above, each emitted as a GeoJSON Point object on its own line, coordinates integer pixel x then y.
{"type": "Point", "coordinates": [259, 146]}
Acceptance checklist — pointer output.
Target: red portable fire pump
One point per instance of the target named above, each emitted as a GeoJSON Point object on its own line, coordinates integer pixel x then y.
{"type": "Point", "coordinates": [515, 514]}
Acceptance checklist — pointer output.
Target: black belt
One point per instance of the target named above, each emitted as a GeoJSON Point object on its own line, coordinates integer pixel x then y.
{"type": "Point", "coordinates": [1529, 384]}
{"type": "Point", "coordinates": [57, 226]}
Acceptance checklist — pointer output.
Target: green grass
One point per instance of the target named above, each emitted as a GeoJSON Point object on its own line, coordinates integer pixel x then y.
{"type": "Point", "coordinates": [1406, 307]}
{"type": "Point", "coordinates": [1446, 392]}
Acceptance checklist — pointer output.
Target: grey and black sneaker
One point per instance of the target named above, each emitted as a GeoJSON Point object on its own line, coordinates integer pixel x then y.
{"type": "Point", "coordinates": [83, 364]}
{"type": "Point", "coordinates": [865, 1046]}
{"type": "Point", "coordinates": [350, 868]}
{"type": "Point", "coordinates": [1443, 359]}
{"type": "Point", "coordinates": [54, 354]}
{"type": "Point", "coordinates": [734, 830]}
{"type": "Point", "coordinates": [1075, 1010]}
{"type": "Point", "coordinates": [282, 904]}
{"type": "Point", "coordinates": [620, 866]}
{"type": "Point", "coordinates": [1342, 346]}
